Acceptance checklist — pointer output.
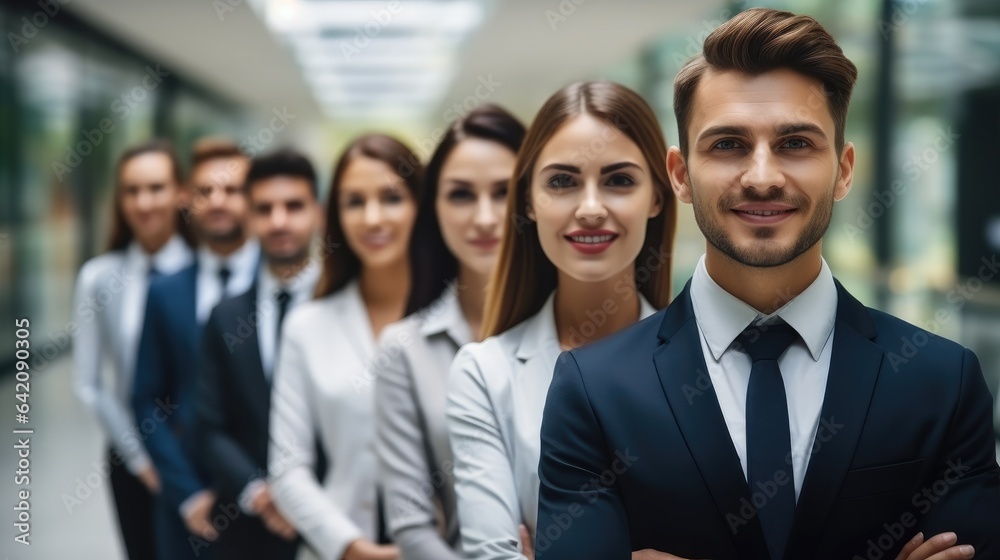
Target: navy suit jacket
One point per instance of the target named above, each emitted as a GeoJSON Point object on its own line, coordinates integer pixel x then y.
{"type": "Point", "coordinates": [635, 452]}
{"type": "Point", "coordinates": [164, 393]}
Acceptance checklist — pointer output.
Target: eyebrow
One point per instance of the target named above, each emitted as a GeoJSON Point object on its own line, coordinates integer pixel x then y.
{"type": "Point", "coordinates": [604, 170]}
{"type": "Point", "coordinates": [780, 130]}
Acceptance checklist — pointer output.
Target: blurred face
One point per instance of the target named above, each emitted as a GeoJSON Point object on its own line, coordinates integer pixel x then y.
{"type": "Point", "coordinates": [284, 216]}
{"type": "Point", "coordinates": [377, 212]}
{"type": "Point", "coordinates": [592, 195]}
{"type": "Point", "coordinates": [472, 201]}
{"type": "Point", "coordinates": [763, 171]}
{"type": "Point", "coordinates": [150, 196]}
{"type": "Point", "coordinates": [219, 207]}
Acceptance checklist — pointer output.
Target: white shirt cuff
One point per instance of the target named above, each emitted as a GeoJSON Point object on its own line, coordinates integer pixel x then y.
{"type": "Point", "coordinates": [249, 494]}
{"type": "Point", "coordinates": [137, 464]}
{"type": "Point", "coordinates": [188, 504]}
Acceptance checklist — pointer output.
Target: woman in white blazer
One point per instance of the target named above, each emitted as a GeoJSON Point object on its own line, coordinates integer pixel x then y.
{"type": "Point", "coordinates": [148, 237]}
{"type": "Point", "coordinates": [323, 381]}
{"type": "Point", "coordinates": [462, 214]}
{"type": "Point", "coordinates": [593, 221]}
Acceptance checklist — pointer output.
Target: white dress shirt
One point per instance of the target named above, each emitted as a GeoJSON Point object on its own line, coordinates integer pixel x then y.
{"type": "Point", "coordinates": [323, 387]}
{"type": "Point", "coordinates": [804, 367]}
{"type": "Point", "coordinates": [242, 265]}
{"type": "Point", "coordinates": [496, 395]}
{"type": "Point", "coordinates": [300, 287]}
{"type": "Point", "coordinates": [108, 309]}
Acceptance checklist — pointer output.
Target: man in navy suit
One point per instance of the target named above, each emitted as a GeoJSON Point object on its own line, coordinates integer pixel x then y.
{"type": "Point", "coordinates": [165, 382]}
{"type": "Point", "coordinates": [239, 351]}
{"type": "Point", "coordinates": [766, 413]}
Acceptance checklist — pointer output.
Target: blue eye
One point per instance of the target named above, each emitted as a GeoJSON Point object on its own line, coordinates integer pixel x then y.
{"type": "Point", "coordinates": [726, 145]}
{"type": "Point", "coordinates": [796, 144]}
{"type": "Point", "coordinates": [560, 181]}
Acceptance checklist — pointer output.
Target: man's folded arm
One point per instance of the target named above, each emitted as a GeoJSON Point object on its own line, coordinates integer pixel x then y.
{"type": "Point", "coordinates": [578, 516]}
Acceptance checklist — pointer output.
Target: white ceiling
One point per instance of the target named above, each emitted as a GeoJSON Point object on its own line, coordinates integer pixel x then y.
{"type": "Point", "coordinates": [235, 55]}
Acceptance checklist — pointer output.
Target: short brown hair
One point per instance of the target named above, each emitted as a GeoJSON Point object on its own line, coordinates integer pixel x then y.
{"type": "Point", "coordinates": [524, 277]}
{"type": "Point", "coordinates": [760, 40]}
{"type": "Point", "coordinates": [211, 148]}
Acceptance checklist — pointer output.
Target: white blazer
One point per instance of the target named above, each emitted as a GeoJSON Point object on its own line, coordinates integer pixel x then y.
{"type": "Point", "coordinates": [415, 463]}
{"type": "Point", "coordinates": [323, 387]}
{"type": "Point", "coordinates": [109, 307]}
{"type": "Point", "coordinates": [496, 395]}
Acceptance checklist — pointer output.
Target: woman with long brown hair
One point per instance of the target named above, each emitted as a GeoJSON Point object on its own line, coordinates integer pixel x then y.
{"type": "Point", "coordinates": [587, 254]}
{"type": "Point", "coordinates": [323, 379]}
{"type": "Point", "coordinates": [149, 236]}
{"type": "Point", "coordinates": [463, 214]}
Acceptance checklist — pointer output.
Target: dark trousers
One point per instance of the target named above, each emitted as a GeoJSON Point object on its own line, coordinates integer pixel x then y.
{"type": "Point", "coordinates": [246, 538]}
{"type": "Point", "coordinates": [134, 506]}
{"type": "Point", "coordinates": [173, 541]}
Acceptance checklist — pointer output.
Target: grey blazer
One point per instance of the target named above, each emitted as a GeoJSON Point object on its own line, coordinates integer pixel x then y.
{"type": "Point", "coordinates": [416, 469]}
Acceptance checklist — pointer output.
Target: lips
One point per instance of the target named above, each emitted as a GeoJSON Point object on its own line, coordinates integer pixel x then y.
{"type": "Point", "coordinates": [485, 243]}
{"type": "Point", "coordinates": [763, 214]}
{"type": "Point", "coordinates": [376, 241]}
{"type": "Point", "coordinates": [591, 242]}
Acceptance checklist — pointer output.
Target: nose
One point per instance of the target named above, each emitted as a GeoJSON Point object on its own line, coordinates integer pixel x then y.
{"type": "Point", "coordinates": [591, 209]}
{"type": "Point", "coordinates": [145, 200]}
{"type": "Point", "coordinates": [486, 215]}
{"type": "Point", "coordinates": [279, 217]}
{"type": "Point", "coordinates": [764, 171]}
{"type": "Point", "coordinates": [373, 212]}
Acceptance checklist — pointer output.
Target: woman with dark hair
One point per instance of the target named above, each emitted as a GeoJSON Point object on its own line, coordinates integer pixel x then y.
{"type": "Point", "coordinates": [323, 379]}
{"type": "Point", "coordinates": [593, 219]}
{"type": "Point", "coordinates": [148, 237]}
{"type": "Point", "coordinates": [461, 219]}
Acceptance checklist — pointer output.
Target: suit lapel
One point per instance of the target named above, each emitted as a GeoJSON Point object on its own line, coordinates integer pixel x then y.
{"type": "Point", "coordinates": [854, 369]}
{"type": "Point", "coordinates": [683, 374]}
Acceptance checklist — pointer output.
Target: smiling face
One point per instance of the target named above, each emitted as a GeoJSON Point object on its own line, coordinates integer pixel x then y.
{"type": "Point", "coordinates": [150, 195]}
{"type": "Point", "coordinates": [377, 212]}
{"type": "Point", "coordinates": [762, 170]}
{"type": "Point", "coordinates": [471, 201]}
{"type": "Point", "coordinates": [591, 196]}
{"type": "Point", "coordinates": [220, 205]}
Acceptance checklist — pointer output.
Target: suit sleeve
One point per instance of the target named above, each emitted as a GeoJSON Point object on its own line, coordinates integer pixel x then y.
{"type": "Point", "coordinates": [230, 466]}
{"type": "Point", "coordinates": [971, 506]}
{"type": "Point", "coordinates": [485, 488]}
{"type": "Point", "coordinates": [292, 459]}
{"type": "Point", "coordinates": [578, 517]}
{"type": "Point", "coordinates": [154, 411]}
{"type": "Point", "coordinates": [112, 412]}
{"type": "Point", "coordinates": [407, 476]}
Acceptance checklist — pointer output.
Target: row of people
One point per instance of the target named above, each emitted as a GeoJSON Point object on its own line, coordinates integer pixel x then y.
{"type": "Point", "coordinates": [386, 394]}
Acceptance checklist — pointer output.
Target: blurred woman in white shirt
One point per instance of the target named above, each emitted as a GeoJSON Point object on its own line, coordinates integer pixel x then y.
{"type": "Point", "coordinates": [462, 214]}
{"type": "Point", "coordinates": [149, 236]}
{"type": "Point", "coordinates": [323, 379]}
{"type": "Point", "coordinates": [587, 254]}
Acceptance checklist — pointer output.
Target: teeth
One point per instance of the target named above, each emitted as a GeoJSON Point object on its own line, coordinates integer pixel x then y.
{"type": "Point", "coordinates": [765, 212]}
{"type": "Point", "coordinates": [592, 238]}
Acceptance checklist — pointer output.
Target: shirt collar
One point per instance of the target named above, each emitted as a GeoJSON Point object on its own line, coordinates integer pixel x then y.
{"type": "Point", "coordinates": [301, 285]}
{"type": "Point", "coordinates": [445, 315]}
{"type": "Point", "coordinates": [540, 331]}
{"type": "Point", "coordinates": [244, 258]}
{"type": "Point", "coordinates": [173, 256]}
{"type": "Point", "coordinates": [722, 316]}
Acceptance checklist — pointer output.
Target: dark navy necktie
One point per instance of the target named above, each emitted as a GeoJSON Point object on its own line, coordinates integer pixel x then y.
{"type": "Point", "coordinates": [769, 458]}
{"type": "Point", "coordinates": [224, 274]}
{"type": "Point", "coordinates": [284, 299]}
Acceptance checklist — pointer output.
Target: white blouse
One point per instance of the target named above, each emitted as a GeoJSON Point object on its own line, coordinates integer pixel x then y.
{"type": "Point", "coordinates": [323, 388]}
{"type": "Point", "coordinates": [496, 395]}
{"type": "Point", "coordinates": [109, 305]}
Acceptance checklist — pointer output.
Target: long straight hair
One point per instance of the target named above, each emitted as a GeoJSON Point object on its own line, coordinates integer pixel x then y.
{"type": "Point", "coordinates": [121, 232]}
{"type": "Point", "coordinates": [488, 122]}
{"type": "Point", "coordinates": [341, 264]}
{"type": "Point", "coordinates": [524, 276]}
